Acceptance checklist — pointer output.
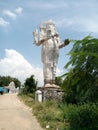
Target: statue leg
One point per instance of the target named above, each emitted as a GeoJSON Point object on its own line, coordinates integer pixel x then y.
{"type": "Point", "coordinates": [47, 73]}
{"type": "Point", "coordinates": [53, 73]}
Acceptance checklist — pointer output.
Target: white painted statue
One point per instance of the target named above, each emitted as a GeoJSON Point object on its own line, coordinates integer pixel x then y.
{"type": "Point", "coordinates": [49, 38]}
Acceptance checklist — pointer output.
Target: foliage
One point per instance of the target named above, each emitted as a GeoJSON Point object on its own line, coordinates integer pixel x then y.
{"type": "Point", "coordinates": [30, 85]}
{"type": "Point", "coordinates": [58, 81]}
{"type": "Point", "coordinates": [81, 82]}
{"type": "Point", "coordinates": [5, 80]}
{"type": "Point", "coordinates": [83, 117]}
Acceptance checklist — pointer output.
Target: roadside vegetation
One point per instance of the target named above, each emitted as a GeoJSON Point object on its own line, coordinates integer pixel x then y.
{"type": "Point", "coordinates": [64, 116]}
{"type": "Point", "coordinates": [78, 109]}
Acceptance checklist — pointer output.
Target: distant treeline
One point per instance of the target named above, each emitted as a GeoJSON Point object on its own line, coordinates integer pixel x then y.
{"type": "Point", "coordinates": [5, 80]}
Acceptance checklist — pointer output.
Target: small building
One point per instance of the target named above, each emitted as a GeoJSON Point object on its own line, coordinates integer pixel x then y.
{"type": "Point", "coordinates": [12, 88]}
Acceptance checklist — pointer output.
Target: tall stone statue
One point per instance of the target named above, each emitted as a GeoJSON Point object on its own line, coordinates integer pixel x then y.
{"type": "Point", "coordinates": [49, 38]}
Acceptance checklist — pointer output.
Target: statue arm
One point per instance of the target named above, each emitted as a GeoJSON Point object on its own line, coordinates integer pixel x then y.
{"type": "Point", "coordinates": [39, 39]}
{"type": "Point", "coordinates": [36, 39]}
{"type": "Point", "coordinates": [66, 42]}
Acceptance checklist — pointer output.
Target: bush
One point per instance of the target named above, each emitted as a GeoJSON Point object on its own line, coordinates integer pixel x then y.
{"type": "Point", "coordinates": [83, 117]}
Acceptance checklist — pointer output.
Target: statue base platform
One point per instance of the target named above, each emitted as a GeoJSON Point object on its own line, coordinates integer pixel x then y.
{"type": "Point", "coordinates": [51, 92]}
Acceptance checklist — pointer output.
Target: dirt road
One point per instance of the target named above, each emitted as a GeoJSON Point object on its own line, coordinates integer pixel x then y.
{"type": "Point", "coordinates": [14, 115]}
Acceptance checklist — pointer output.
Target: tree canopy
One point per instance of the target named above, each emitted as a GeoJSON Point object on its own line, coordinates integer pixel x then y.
{"type": "Point", "coordinates": [5, 80]}
{"type": "Point", "coordinates": [30, 85]}
{"type": "Point", "coordinates": [81, 82]}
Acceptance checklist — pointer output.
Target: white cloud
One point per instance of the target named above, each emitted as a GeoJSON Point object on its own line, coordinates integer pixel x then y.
{"type": "Point", "coordinates": [79, 23]}
{"type": "Point", "coordinates": [15, 65]}
{"type": "Point", "coordinates": [3, 22]}
{"type": "Point", "coordinates": [19, 10]}
{"type": "Point", "coordinates": [13, 14]}
{"type": "Point", "coordinates": [89, 25]}
{"type": "Point", "coordinates": [82, 17]}
{"type": "Point", "coordinates": [64, 23]}
{"type": "Point", "coordinates": [10, 14]}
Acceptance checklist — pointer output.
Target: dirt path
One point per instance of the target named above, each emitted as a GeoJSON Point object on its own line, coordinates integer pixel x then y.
{"type": "Point", "coordinates": [14, 115]}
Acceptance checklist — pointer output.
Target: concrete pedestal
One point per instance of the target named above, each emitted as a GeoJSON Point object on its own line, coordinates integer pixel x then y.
{"type": "Point", "coordinates": [51, 92]}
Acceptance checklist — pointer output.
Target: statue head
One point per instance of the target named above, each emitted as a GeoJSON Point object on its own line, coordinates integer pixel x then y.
{"type": "Point", "coordinates": [50, 27]}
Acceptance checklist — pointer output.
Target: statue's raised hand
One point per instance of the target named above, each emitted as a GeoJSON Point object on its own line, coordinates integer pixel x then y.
{"type": "Point", "coordinates": [35, 32]}
{"type": "Point", "coordinates": [66, 42]}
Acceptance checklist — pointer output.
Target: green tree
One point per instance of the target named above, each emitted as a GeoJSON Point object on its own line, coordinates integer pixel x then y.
{"type": "Point", "coordinates": [81, 82]}
{"type": "Point", "coordinates": [30, 85]}
{"type": "Point", "coordinates": [17, 82]}
{"type": "Point", "coordinates": [59, 81]}
{"type": "Point", "coordinates": [5, 80]}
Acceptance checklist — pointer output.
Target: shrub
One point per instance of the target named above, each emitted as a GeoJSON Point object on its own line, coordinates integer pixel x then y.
{"type": "Point", "coordinates": [83, 117]}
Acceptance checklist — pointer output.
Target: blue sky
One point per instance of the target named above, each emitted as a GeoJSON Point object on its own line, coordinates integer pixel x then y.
{"type": "Point", "coordinates": [20, 58]}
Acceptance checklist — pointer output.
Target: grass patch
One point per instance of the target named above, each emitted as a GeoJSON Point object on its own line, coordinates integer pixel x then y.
{"type": "Point", "coordinates": [48, 112]}
{"type": "Point", "coordinates": [63, 116]}
{"type": "Point", "coordinates": [27, 99]}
